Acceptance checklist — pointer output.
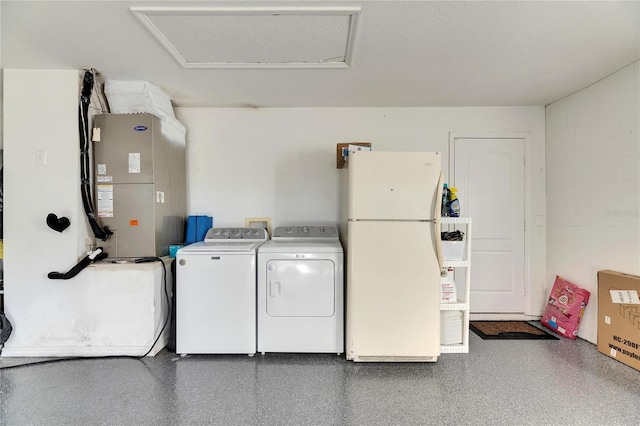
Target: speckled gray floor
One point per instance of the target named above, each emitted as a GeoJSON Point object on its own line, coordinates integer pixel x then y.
{"type": "Point", "coordinates": [533, 382]}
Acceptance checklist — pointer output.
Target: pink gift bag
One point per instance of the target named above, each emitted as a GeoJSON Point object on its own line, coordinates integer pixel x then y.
{"type": "Point", "coordinates": [565, 308]}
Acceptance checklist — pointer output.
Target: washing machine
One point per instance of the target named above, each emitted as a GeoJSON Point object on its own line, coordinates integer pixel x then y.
{"type": "Point", "coordinates": [301, 291]}
{"type": "Point", "coordinates": [216, 292]}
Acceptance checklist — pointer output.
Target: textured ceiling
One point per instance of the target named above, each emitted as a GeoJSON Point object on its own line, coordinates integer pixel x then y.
{"type": "Point", "coordinates": [406, 53]}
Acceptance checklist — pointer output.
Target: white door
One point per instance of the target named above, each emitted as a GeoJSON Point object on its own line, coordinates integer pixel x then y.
{"type": "Point", "coordinates": [489, 176]}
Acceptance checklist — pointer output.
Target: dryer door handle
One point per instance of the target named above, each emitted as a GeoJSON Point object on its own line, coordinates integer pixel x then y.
{"type": "Point", "coordinates": [274, 288]}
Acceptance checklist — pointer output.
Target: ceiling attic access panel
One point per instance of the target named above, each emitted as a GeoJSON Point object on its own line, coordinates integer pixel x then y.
{"type": "Point", "coordinates": [254, 37]}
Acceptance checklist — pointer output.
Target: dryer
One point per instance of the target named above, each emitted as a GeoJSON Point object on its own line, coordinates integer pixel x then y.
{"type": "Point", "coordinates": [301, 291]}
{"type": "Point", "coordinates": [216, 292]}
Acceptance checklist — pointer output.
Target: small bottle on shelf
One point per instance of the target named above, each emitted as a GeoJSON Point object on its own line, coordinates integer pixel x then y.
{"type": "Point", "coordinates": [446, 197]}
{"type": "Point", "coordinates": [447, 286]}
{"type": "Point", "coordinates": [454, 203]}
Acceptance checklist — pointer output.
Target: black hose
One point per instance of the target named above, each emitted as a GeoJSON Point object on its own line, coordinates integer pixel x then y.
{"type": "Point", "coordinates": [98, 254]}
{"type": "Point", "coordinates": [100, 232]}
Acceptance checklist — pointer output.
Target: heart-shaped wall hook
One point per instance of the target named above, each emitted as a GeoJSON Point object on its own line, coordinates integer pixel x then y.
{"type": "Point", "coordinates": [57, 224]}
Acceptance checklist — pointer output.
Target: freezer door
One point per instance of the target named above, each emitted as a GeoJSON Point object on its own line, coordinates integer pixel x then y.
{"type": "Point", "coordinates": [393, 185]}
{"type": "Point", "coordinates": [393, 291]}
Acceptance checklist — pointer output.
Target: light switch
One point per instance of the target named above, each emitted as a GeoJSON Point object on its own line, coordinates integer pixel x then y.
{"type": "Point", "coordinates": [41, 157]}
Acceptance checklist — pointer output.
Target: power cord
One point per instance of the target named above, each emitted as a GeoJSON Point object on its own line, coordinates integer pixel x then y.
{"type": "Point", "coordinates": [164, 326]}
{"type": "Point", "coordinates": [166, 293]}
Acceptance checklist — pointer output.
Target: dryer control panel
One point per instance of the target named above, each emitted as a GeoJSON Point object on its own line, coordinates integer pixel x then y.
{"type": "Point", "coordinates": [305, 232]}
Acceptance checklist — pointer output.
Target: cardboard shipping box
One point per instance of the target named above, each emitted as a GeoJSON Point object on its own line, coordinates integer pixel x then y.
{"type": "Point", "coordinates": [619, 317]}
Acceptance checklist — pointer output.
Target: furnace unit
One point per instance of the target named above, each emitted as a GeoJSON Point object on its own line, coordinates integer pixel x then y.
{"type": "Point", "coordinates": [140, 185]}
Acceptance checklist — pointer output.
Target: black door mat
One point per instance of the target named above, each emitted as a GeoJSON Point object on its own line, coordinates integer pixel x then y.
{"type": "Point", "coordinates": [508, 330]}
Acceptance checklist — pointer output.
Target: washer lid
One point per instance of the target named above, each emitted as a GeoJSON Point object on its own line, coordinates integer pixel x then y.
{"type": "Point", "coordinates": [222, 246]}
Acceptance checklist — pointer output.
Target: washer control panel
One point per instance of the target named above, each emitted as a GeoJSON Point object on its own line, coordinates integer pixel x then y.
{"type": "Point", "coordinates": [305, 232]}
{"type": "Point", "coordinates": [244, 234]}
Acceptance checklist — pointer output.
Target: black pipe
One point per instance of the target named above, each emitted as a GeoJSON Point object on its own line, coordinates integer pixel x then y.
{"type": "Point", "coordinates": [95, 255]}
{"type": "Point", "coordinates": [100, 232]}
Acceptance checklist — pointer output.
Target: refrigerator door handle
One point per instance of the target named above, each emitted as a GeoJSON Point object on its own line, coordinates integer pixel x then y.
{"type": "Point", "coordinates": [437, 225]}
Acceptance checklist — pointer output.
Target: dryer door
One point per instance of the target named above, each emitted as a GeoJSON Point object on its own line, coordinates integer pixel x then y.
{"type": "Point", "coordinates": [301, 288]}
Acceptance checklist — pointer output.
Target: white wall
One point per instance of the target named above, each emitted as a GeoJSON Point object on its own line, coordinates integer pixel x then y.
{"type": "Point", "coordinates": [281, 163]}
{"type": "Point", "coordinates": [40, 114]}
{"type": "Point", "coordinates": [593, 189]}
{"type": "Point", "coordinates": [105, 310]}
{"type": "Point", "coordinates": [278, 163]}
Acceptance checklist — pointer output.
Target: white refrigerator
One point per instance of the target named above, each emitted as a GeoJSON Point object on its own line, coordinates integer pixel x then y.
{"type": "Point", "coordinates": [394, 257]}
